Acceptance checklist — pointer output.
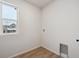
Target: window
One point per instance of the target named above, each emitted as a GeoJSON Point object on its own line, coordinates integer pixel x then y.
{"type": "Point", "coordinates": [9, 18]}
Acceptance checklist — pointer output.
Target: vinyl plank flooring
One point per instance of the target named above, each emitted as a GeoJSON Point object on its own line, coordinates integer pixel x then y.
{"type": "Point", "coordinates": [38, 53]}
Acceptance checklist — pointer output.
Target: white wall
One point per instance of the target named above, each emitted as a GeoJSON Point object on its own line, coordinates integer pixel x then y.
{"type": "Point", "coordinates": [29, 31]}
{"type": "Point", "coordinates": [61, 21]}
{"type": "Point", "coordinates": [0, 17]}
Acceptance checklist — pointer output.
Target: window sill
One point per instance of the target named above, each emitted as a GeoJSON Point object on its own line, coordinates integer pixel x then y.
{"type": "Point", "coordinates": [8, 33]}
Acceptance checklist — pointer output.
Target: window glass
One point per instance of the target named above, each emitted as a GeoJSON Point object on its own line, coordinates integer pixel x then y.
{"type": "Point", "coordinates": [9, 18]}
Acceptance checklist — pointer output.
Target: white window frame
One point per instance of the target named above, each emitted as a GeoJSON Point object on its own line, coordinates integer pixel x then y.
{"type": "Point", "coordinates": [1, 21]}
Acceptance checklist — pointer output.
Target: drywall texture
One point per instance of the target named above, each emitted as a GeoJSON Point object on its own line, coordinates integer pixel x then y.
{"type": "Point", "coordinates": [61, 21]}
{"type": "Point", "coordinates": [28, 36]}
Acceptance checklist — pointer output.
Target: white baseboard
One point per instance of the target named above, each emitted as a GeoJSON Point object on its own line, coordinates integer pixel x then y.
{"type": "Point", "coordinates": [22, 52]}
{"type": "Point", "coordinates": [52, 50]}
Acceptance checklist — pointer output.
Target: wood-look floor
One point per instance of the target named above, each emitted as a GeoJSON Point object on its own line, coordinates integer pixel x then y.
{"type": "Point", "coordinates": [38, 53]}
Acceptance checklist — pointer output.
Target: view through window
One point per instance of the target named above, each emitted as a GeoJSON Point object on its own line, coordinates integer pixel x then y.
{"type": "Point", "coordinates": [9, 18]}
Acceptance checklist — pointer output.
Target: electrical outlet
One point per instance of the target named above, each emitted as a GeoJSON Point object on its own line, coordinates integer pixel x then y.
{"type": "Point", "coordinates": [77, 40]}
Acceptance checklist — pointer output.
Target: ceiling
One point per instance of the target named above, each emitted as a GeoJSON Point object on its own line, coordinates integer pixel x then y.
{"type": "Point", "coordinates": [39, 3]}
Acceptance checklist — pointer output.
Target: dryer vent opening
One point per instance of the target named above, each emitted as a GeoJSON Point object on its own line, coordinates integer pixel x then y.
{"type": "Point", "coordinates": [64, 50]}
